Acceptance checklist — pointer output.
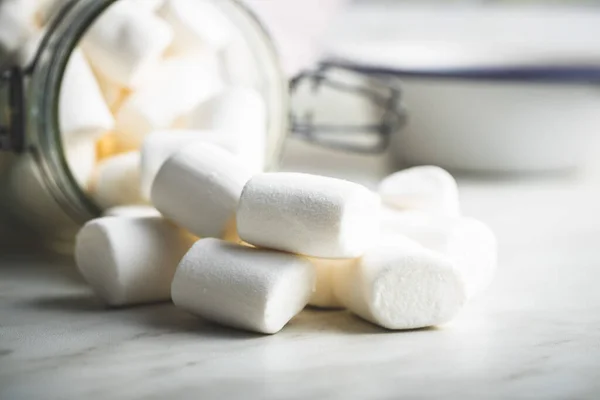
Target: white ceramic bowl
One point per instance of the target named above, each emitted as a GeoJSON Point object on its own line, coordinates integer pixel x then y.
{"type": "Point", "coordinates": [464, 124]}
{"type": "Point", "coordinates": [491, 125]}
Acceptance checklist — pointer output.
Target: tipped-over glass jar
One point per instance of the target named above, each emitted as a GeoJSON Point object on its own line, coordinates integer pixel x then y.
{"type": "Point", "coordinates": [38, 185]}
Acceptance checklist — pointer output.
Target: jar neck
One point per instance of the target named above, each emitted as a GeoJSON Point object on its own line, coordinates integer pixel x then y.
{"type": "Point", "coordinates": [43, 135]}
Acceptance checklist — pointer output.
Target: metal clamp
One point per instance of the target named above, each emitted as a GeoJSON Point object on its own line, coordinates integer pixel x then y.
{"type": "Point", "coordinates": [12, 94]}
{"type": "Point", "coordinates": [382, 92]}
{"type": "Point", "coordinates": [12, 110]}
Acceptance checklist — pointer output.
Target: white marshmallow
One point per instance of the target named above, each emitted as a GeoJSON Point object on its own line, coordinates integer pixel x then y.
{"type": "Point", "coordinates": [201, 116]}
{"type": "Point", "coordinates": [426, 188]}
{"type": "Point", "coordinates": [243, 287]}
{"type": "Point", "coordinates": [81, 158]}
{"type": "Point", "coordinates": [117, 181]}
{"type": "Point", "coordinates": [240, 115]}
{"type": "Point", "coordinates": [239, 64]}
{"type": "Point", "coordinates": [469, 243]}
{"type": "Point", "coordinates": [180, 84]}
{"type": "Point", "coordinates": [82, 110]}
{"type": "Point", "coordinates": [109, 145]}
{"type": "Point", "coordinates": [114, 95]}
{"type": "Point", "coordinates": [326, 270]}
{"type": "Point", "coordinates": [197, 24]}
{"type": "Point", "coordinates": [308, 214]}
{"type": "Point", "coordinates": [199, 188]}
{"type": "Point", "coordinates": [134, 211]}
{"type": "Point", "coordinates": [130, 260]}
{"type": "Point", "coordinates": [17, 24]}
{"type": "Point", "coordinates": [401, 285]}
{"type": "Point", "coordinates": [235, 110]}
{"type": "Point", "coordinates": [160, 145]}
{"type": "Point", "coordinates": [126, 43]}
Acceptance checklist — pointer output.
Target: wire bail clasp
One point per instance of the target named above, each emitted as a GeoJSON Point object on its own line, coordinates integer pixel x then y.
{"type": "Point", "coordinates": [382, 94]}
{"type": "Point", "coordinates": [12, 110]}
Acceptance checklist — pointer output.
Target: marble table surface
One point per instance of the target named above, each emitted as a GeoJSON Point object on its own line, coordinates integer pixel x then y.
{"type": "Point", "coordinates": [534, 335]}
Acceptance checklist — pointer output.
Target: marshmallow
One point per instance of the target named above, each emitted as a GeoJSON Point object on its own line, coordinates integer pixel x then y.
{"type": "Point", "coordinates": [117, 180]}
{"type": "Point", "coordinates": [181, 122]}
{"type": "Point", "coordinates": [235, 110]}
{"type": "Point", "coordinates": [130, 260]}
{"type": "Point", "coordinates": [427, 188]}
{"type": "Point", "coordinates": [114, 95]}
{"type": "Point", "coordinates": [239, 64]}
{"type": "Point", "coordinates": [160, 145]}
{"type": "Point", "coordinates": [326, 270]}
{"type": "Point", "coordinates": [17, 24]}
{"type": "Point", "coordinates": [401, 285]}
{"type": "Point", "coordinates": [199, 188]}
{"type": "Point", "coordinates": [469, 243]}
{"type": "Point", "coordinates": [242, 287]}
{"type": "Point", "coordinates": [201, 116]}
{"type": "Point", "coordinates": [180, 84]}
{"type": "Point", "coordinates": [308, 214]}
{"type": "Point", "coordinates": [196, 24]}
{"type": "Point", "coordinates": [240, 115]}
{"type": "Point", "coordinates": [126, 43]}
{"type": "Point", "coordinates": [81, 158]}
{"type": "Point", "coordinates": [134, 211]}
{"type": "Point", "coordinates": [81, 107]}
{"type": "Point", "coordinates": [110, 145]}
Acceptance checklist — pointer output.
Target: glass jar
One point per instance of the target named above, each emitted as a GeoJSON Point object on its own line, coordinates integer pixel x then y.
{"type": "Point", "coordinates": [38, 187]}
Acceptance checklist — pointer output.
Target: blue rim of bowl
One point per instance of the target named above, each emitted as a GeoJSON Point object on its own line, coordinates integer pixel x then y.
{"type": "Point", "coordinates": [572, 74]}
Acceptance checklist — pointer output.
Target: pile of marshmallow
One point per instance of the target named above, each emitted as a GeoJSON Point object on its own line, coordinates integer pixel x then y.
{"type": "Point", "coordinates": [250, 251]}
{"type": "Point", "coordinates": [163, 124]}
{"type": "Point", "coordinates": [159, 72]}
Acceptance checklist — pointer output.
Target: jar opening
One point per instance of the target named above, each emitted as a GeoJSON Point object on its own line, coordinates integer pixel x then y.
{"type": "Point", "coordinates": [57, 129]}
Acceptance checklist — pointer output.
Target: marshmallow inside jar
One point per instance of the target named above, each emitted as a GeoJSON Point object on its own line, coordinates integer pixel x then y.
{"type": "Point", "coordinates": [94, 61]}
{"type": "Point", "coordinates": [136, 73]}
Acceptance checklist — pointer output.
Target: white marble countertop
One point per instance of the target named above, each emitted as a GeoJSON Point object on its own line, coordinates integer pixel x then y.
{"type": "Point", "coordinates": [535, 334]}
